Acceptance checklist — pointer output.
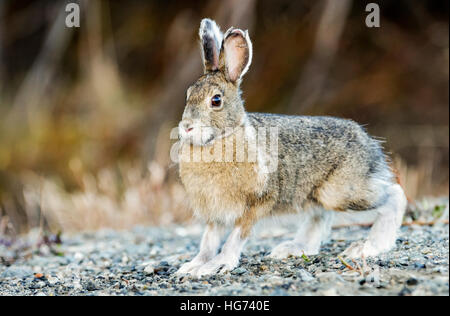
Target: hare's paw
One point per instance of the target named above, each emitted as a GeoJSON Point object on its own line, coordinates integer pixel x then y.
{"type": "Point", "coordinates": [361, 249]}
{"type": "Point", "coordinates": [291, 248]}
{"type": "Point", "coordinates": [219, 264]}
{"type": "Point", "coordinates": [189, 267]}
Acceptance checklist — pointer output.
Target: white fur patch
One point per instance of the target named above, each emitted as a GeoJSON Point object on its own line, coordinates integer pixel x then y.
{"type": "Point", "coordinates": [314, 228]}
{"type": "Point", "coordinates": [228, 258]}
{"type": "Point", "coordinates": [199, 135]}
{"type": "Point", "coordinates": [383, 233]}
{"type": "Point", "coordinates": [257, 152]}
{"type": "Point", "coordinates": [208, 249]}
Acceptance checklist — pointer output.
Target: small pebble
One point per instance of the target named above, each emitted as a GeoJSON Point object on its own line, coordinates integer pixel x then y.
{"type": "Point", "coordinates": [149, 269]}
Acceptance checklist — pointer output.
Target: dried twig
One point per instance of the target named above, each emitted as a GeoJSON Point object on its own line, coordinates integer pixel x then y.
{"type": "Point", "coordinates": [364, 266]}
{"type": "Point", "coordinates": [345, 263]}
{"type": "Point", "coordinates": [359, 269]}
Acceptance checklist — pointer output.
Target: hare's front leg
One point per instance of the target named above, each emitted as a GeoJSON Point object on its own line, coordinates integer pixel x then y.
{"type": "Point", "coordinates": [228, 258]}
{"type": "Point", "coordinates": [314, 228]}
{"type": "Point", "coordinates": [208, 249]}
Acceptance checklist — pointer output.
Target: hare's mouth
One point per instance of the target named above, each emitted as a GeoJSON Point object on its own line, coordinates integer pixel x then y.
{"type": "Point", "coordinates": [198, 135]}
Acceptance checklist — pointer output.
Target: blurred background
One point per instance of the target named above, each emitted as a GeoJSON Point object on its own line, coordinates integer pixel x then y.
{"type": "Point", "coordinates": [85, 113]}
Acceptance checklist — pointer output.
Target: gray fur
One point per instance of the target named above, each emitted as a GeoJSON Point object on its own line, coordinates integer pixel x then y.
{"type": "Point", "coordinates": [315, 150]}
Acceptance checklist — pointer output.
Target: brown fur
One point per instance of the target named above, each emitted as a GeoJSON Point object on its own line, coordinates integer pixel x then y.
{"type": "Point", "coordinates": [221, 189]}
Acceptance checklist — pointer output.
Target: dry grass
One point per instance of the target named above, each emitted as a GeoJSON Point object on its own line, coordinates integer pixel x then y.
{"type": "Point", "coordinates": [84, 141]}
{"type": "Point", "coordinates": [112, 198]}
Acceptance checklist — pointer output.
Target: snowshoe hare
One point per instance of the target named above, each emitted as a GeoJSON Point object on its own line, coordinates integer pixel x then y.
{"type": "Point", "coordinates": [324, 165]}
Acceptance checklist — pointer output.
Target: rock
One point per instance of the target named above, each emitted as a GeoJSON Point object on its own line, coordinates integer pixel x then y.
{"type": "Point", "coordinates": [405, 292]}
{"type": "Point", "coordinates": [149, 269]}
{"type": "Point", "coordinates": [52, 280]}
{"type": "Point", "coordinates": [37, 285]}
{"type": "Point", "coordinates": [77, 285]}
{"type": "Point", "coordinates": [78, 256]}
{"type": "Point", "coordinates": [419, 265]}
{"type": "Point", "coordinates": [90, 286]}
{"type": "Point", "coordinates": [239, 271]}
{"type": "Point", "coordinates": [17, 272]}
{"type": "Point", "coordinates": [304, 275]}
{"type": "Point", "coordinates": [412, 281]}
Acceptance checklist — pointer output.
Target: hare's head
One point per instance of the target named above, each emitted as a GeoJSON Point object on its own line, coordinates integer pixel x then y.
{"type": "Point", "coordinates": [213, 103]}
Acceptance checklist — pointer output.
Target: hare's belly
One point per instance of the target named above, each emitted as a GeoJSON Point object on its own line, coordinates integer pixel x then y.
{"type": "Point", "coordinates": [218, 192]}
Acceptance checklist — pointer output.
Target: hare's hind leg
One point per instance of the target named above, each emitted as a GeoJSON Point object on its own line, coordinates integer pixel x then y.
{"type": "Point", "coordinates": [315, 226]}
{"type": "Point", "coordinates": [383, 233]}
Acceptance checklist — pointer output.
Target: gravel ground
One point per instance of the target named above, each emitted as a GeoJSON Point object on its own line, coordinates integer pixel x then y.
{"type": "Point", "coordinates": [142, 261]}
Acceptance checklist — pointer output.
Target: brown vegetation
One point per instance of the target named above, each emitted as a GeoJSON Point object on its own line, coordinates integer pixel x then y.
{"type": "Point", "coordinates": [85, 114]}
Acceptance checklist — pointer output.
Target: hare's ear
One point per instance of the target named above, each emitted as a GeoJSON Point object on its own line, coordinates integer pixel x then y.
{"type": "Point", "coordinates": [236, 54]}
{"type": "Point", "coordinates": [211, 40]}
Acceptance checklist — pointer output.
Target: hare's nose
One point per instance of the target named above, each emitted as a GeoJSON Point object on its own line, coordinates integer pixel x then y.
{"type": "Point", "coordinates": [187, 126]}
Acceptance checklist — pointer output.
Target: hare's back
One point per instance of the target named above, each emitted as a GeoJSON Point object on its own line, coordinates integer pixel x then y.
{"type": "Point", "coordinates": [316, 134]}
{"type": "Point", "coordinates": [316, 151]}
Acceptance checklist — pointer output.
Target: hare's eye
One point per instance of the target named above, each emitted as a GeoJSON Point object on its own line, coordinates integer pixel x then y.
{"type": "Point", "coordinates": [216, 101]}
